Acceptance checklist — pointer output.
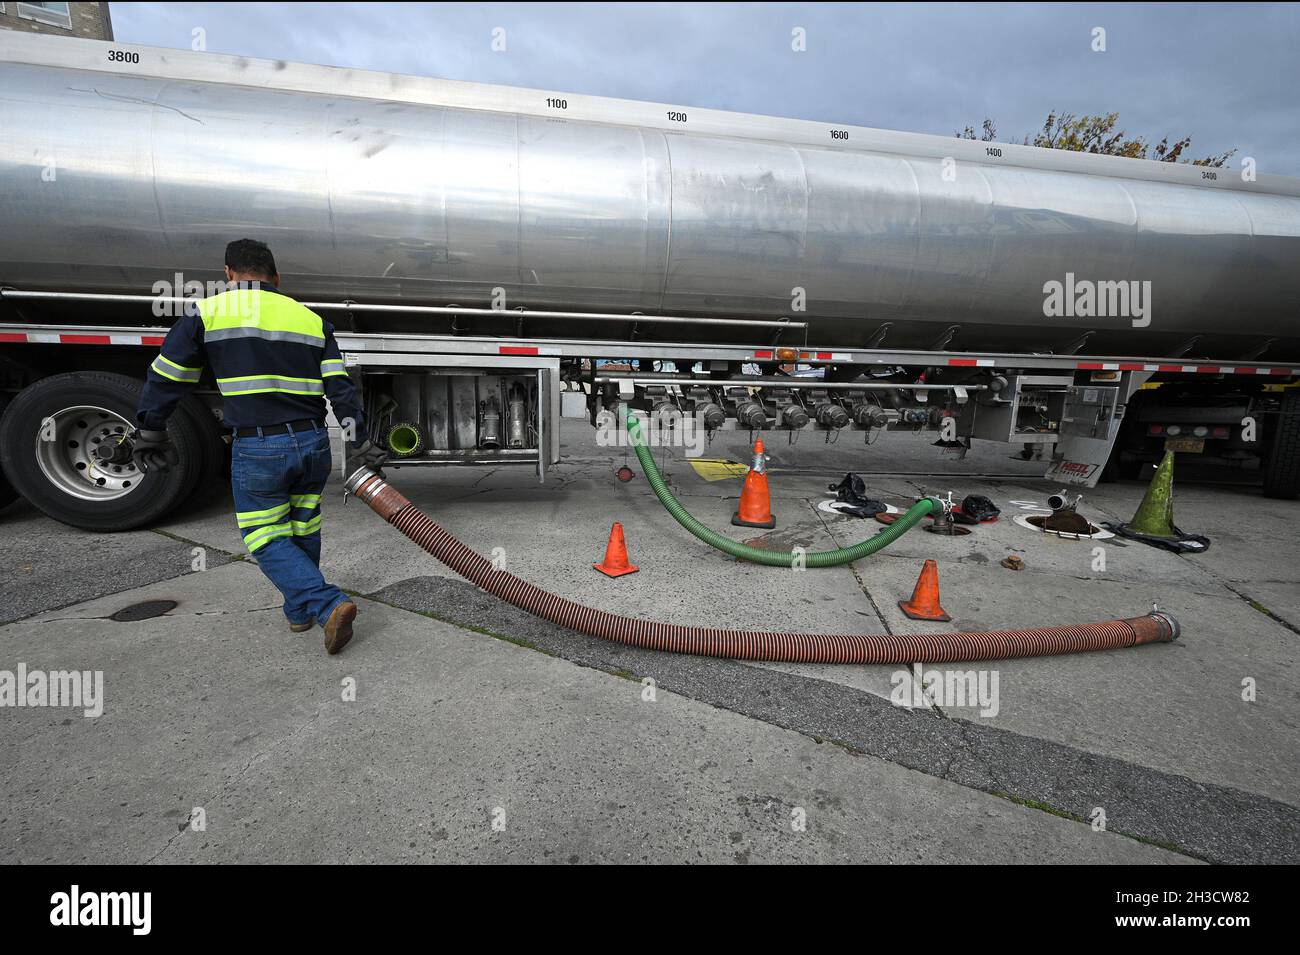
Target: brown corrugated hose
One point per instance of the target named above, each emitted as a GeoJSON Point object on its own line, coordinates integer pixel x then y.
{"type": "Point", "coordinates": [389, 504]}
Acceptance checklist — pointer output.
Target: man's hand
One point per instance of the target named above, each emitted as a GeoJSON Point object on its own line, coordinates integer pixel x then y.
{"type": "Point", "coordinates": [365, 454]}
{"type": "Point", "coordinates": [153, 450]}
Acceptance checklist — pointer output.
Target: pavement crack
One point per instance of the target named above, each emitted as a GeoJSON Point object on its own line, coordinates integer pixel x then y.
{"type": "Point", "coordinates": [1256, 605]}
{"type": "Point", "coordinates": [243, 771]}
{"type": "Point", "coordinates": [862, 584]}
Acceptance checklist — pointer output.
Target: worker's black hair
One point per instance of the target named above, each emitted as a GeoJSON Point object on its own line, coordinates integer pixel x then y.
{"type": "Point", "coordinates": [251, 257]}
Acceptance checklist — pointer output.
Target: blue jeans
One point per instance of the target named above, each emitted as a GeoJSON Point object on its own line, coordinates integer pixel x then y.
{"type": "Point", "coordinates": [277, 480]}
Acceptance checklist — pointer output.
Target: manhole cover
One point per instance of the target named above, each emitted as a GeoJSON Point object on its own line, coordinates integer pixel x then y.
{"type": "Point", "coordinates": [143, 611]}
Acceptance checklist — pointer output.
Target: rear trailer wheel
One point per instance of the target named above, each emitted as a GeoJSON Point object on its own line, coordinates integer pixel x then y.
{"type": "Point", "coordinates": [1282, 466]}
{"type": "Point", "coordinates": [48, 437]}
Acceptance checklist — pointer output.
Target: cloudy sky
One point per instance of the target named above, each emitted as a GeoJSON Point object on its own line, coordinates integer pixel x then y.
{"type": "Point", "coordinates": [1227, 74]}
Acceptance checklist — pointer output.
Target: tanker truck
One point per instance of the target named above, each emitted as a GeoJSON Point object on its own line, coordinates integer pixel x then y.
{"type": "Point", "coordinates": [494, 259]}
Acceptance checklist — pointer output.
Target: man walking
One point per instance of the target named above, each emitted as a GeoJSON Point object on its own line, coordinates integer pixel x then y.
{"type": "Point", "coordinates": [275, 362]}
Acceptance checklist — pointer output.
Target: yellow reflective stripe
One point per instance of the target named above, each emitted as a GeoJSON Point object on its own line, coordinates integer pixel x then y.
{"type": "Point", "coordinates": [183, 375]}
{"type": "Point", "coordinates": [304, 500]}
{"type": "Point", "coordinates": [268, 391]}
{"type": "Point", "coordinates": [251, 518]}
{"type": "Point", "coordinates": [268, 377]}
{"type": "Point", "coordinates": [162, 357]}
{"type": "Point", "coordinates": [302, 528]}
{"type": "Point", "coordinates": [259, 538]}
{"type": "Point", "coordinates": [257, 384]}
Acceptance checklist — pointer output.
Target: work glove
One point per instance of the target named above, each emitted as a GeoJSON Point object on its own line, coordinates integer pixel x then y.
{"type": "Point", "coordinates": [153, 451]}
{"type": "Point", "coordinates": [365, 454]}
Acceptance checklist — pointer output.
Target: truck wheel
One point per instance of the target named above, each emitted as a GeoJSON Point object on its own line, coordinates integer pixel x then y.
{"type": "Point", "coordinates": [214, 458]}
{"type": "Point", "coordinates": [1282, 466]}
{"type": "Point", "coordinates": [7, 493]}
{"type": "Point", "coordinates": [47, 440]}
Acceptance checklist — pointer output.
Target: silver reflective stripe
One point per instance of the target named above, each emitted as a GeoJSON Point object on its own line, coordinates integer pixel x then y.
{"type": "Point", "coordinates": [271, 383]}
{"type": "Point", "coordinates": [169, 369]}
{"type": "Point", "coordinates": [252, 331]}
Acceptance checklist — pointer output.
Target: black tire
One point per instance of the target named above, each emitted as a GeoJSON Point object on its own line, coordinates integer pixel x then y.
{"type": "Point", "coordinates": [214, 459]}
{"type": "Point", "coordinates": [7, 493]}
{"type": "Point", "coordinates": [152, 495]}
{"type": "Point", "coordinates": [1120, 468]}
{"type": "Point", "coordinates": [1282, 466]}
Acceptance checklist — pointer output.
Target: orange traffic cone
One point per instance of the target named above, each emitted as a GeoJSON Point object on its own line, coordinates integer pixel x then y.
{"type": "Point", "coordinates": [616, 563]}
{"type": "Point", "coordinates": [755, 501]}
{"type": "Point", "coordinates": [924, 604]}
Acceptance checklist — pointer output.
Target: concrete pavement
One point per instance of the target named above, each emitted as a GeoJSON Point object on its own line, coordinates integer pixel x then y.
{"type": "Point", "coordinates": [216, 706]}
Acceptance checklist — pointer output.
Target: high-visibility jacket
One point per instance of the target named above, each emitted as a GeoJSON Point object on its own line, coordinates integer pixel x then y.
{"type": "Point", "coordinates": [274, 361]}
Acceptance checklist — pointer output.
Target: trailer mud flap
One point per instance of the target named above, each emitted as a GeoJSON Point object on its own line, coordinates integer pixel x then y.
{"type": "Point", "coordinates": [1090, 423]}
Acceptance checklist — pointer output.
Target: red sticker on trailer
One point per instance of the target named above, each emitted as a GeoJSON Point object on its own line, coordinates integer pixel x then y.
{"type": "Point", "coordinates": [517, 350]}
{"type": "Point", "coordinates": [1082, 469]}
{"type": "Point", "coordinates": [85, 340]}
{"type": "Point", "coordinates": [7, 337]}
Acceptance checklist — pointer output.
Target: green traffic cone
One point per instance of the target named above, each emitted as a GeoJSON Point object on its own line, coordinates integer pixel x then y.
{"type": "Point", "coordinates": [1155, 515]}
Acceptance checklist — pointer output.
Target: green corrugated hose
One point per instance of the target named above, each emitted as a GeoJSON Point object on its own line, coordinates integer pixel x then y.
{"type": "Point", "coordinates": [759, 555]}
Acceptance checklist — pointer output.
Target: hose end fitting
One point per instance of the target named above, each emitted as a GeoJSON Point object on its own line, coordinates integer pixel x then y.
{"type": "Point", "coordinates": [358, 478]}
{"type": "Point", "coordinates": [1175, 630]}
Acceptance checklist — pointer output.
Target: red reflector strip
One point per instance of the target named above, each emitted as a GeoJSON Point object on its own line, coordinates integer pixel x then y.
{"type": "Point", "coordinates": [40, 338]}
{"type": "Point", "coordinates": [1212, 369]}
{"type": "Point", "coordinates": [1089, 366]}
{"type": "Point", "coordinates": [762, 354]}
{"type": "Point", "coordinates": [963, 362]}
{"type": "Point", "coordinates": [517, 350]}
{"type": "Point", "coordinates": [1171, 368]}
{"type": "Point", "coordinates": [1132, 367]}
{"type": "Point", "coordinates": [1281, 371]}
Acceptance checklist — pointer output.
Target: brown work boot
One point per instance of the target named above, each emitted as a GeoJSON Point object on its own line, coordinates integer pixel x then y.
{"type": "Point", "coordinates": [302, 627]}
{"type": "Point", "coordinates": [338, 628]}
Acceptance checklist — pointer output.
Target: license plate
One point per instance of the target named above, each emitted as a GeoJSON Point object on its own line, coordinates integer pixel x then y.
{"type": "Point", "coordinates": [1188, 445]}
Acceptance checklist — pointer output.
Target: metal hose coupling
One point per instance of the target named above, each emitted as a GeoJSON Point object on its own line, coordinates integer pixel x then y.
{"type": "Point", "coordinates": [388, 503]}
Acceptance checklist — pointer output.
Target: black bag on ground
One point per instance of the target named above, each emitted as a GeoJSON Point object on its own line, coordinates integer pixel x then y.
{"type": "Point", "coordinates": [853, 492]}
{"type": "Point", "coordinates": [979, 507]}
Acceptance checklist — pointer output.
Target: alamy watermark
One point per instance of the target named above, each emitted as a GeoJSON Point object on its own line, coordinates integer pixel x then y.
{"type": "Point", "coordinates": [80, 689]}
{"type": "Point", "coordinates": [172, 296]}
{"type": "Point", "coordinates": [74, 907]}
{"type": "Point", "coordinates": [947, 688]}
{"type": "Point", "coordinates": [664, 427]}
{"type": "Point", "coordinates": [1084, 298]}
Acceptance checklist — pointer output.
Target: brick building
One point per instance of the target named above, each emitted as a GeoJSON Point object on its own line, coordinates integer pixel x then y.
{"type": "Point", "coordinates": [89, 20]}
